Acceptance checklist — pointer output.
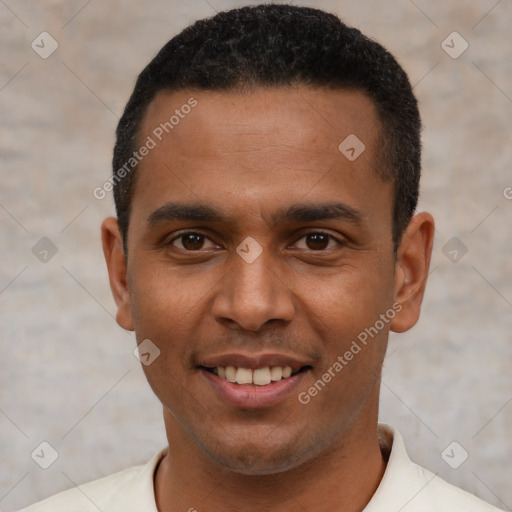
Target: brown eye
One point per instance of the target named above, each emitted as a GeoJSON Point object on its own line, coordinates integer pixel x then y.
{"type": "Point", "coordinates": [191, 241]}
{"type": "Point", "coordinates": [317, 241]}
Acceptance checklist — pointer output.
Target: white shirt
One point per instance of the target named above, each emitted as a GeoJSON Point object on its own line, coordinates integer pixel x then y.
{"type": "Point", "coordinates": [405, 487]}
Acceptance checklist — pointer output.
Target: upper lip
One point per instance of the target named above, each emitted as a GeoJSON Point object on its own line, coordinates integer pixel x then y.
{"type": "Point", "coordinates": [253, 361]}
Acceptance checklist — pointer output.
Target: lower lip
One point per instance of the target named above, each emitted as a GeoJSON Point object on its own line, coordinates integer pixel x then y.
{"type": "Point", "coordinates": [254, 397]}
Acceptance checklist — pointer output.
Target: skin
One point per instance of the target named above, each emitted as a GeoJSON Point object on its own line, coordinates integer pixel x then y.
{"type": "Point", "coordinates": [251, 155]}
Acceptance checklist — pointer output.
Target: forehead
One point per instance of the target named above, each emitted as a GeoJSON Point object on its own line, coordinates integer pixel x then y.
{"type": "Point", "coordinates": [299, 116]}
{"type": "Point", "coordinates": [273, 145]}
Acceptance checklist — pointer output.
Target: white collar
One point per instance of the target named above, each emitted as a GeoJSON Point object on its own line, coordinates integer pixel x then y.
{"type": "Point", "coordinates": [405, 486]}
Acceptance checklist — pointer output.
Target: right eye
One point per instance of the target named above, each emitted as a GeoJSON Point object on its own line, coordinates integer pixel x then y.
{"type": "Point", "coordinates": [191, 241]}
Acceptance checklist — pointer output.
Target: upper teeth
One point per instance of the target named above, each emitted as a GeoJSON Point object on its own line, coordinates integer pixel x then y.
{"type": "Point", "coordinates": [259, 377]}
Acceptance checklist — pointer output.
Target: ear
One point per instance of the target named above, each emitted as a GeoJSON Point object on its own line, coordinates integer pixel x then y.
{"type": "Point", "coordinates": [112, 242]}
{"type": "Point", "coordinates": [413, 262]}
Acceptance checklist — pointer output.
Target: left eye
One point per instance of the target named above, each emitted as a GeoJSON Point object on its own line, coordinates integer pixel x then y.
{"type": "Point", "coordinates": [317, 241]}
{"type": "Point", "coordinates": [191, 241]}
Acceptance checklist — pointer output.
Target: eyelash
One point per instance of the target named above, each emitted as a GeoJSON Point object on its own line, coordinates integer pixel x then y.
{"type": "Point", "coordinates": [331, 238]}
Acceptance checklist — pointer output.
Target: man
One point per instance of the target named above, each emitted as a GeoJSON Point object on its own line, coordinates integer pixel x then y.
{"type": "Point", "coordinates": [266, 176]}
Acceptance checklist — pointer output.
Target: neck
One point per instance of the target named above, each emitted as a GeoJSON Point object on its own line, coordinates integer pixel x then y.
{"type": "Point", "coordinates": [344, 477]}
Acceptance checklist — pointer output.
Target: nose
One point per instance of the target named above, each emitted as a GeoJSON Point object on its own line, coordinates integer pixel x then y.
{"type": "Point", "coordinates": [252, 295]}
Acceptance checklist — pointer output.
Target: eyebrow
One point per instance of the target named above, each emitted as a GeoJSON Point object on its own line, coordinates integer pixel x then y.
{"type": "Point", "coordinates": [314, 212]}
{"type": "Point", "coordinates": [298, 212]}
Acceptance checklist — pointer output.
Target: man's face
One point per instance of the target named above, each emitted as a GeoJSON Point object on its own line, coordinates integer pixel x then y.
{"type": "Point", "coordinates": [264, 165]}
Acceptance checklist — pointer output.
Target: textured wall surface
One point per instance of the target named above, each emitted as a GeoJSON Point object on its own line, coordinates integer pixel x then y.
{"type": "Point", "coordinates": [68, 375]}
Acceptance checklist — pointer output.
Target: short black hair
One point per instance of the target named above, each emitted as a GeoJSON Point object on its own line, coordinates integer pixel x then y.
{"type": "Point", "coordinates": [273, 45]}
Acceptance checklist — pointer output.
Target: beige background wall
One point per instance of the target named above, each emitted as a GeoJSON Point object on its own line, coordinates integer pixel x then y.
{"type": "Point", "coordinates": [68, 375]}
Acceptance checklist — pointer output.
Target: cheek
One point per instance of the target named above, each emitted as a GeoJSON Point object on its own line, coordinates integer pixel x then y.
{"type": "Point", "coordinates": [348, 300]}
{"type": "Point", "coordinates": [166, 327]}
{"type": "Point", "coordinates": [166, 312]}
{"type": "Point", "coordinates": [344, 316]}
{"type": "Point", "coordinates": [162, 296]}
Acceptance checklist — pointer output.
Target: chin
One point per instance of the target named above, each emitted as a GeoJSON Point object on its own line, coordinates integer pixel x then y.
{"type": "Point", "coordinates": [250, 458]}
{"type": "Point", "coordinates": [255, 460]}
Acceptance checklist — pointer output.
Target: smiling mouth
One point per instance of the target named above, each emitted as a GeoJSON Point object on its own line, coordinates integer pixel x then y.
{"type": "Point", "coordinates": [258, 377]}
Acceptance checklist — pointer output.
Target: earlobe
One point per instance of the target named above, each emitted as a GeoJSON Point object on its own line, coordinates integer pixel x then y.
{"type": "Point", "coordinates": [112, 242]}
{"type": "Point", "coordinates": [412, 265]}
